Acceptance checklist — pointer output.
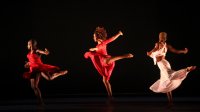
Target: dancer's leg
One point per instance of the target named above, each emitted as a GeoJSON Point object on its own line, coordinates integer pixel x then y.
{"type": "Point", "coordinates": [53, 76]}
{"type": "Point", "coordinates": [108, 86]}
{"type": "Point", "coordinates": [34, 86]}
{"type": "Point", "coordinates": [115, 58]}
{"type": "Point", "coordinates": [169, 96]}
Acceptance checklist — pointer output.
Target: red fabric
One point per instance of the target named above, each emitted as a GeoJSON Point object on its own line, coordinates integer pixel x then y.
{"type": "Point", "coordinates": [98, 59]}
{"type": "Point", "coordinates": [36, 65]}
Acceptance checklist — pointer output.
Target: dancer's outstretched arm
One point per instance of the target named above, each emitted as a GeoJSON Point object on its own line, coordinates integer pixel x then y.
{"type": "Point", "coordinates": [46, 51]}
{"type": "Point", "coordinates": [113, 37]}
{"type": "Point", "coordinates": [172, 49]}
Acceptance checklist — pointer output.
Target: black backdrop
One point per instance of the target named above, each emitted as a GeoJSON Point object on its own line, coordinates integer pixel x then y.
{"type": "Point", "coordinates": [66, 29]}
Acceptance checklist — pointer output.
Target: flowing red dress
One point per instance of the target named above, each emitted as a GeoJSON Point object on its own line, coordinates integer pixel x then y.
{"type": "Point", "coordinates": [98, 58]}
{"type": "Point", "coordinates": [37, 66]}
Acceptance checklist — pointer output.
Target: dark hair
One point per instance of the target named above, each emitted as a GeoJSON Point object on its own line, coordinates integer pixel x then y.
{"type": "Point", "coordinates": [34, 43]}
{"type": "Point", "coordinates": [100, 33]}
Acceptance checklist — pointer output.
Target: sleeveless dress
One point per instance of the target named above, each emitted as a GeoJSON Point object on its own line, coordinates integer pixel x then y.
{"type": "Point", "coordinates": [98, 58]}
{"type": "Point", "coordinates": [37, 66]}
{"type": "Point", "coordinates": [169, 79]}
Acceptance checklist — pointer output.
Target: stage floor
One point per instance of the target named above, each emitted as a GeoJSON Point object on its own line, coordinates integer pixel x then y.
{"type": "Point", "coordinates": [101, 104]}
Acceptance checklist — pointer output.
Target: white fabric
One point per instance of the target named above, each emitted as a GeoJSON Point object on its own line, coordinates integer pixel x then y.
{"type": "Point", "coordinates": [169, 79]}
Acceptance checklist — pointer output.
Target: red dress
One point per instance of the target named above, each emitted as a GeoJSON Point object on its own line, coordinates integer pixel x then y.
{"type": "Point", "coordinates": [36, 65]}
{"type": "Point", "coordinates": [98, 59]}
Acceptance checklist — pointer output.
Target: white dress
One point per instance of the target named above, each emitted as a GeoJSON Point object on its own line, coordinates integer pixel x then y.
{"type": "Point", "coordinates": [169, 79]}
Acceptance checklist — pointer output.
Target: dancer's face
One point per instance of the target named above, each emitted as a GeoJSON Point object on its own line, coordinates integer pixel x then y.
{"type": "Point", "coordinates": [29, 45]}
{"type": "Point", "coordinates": [97, 40]}
{"type": "Point", "coordinates": [94, 37]}
{"type": "Point", "coordinates": [162, 37]}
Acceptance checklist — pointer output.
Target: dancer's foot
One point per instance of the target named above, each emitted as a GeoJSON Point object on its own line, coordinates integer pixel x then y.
{"type": "Point", "coordinates": [191, 68]}
{"type": "Point", "coordinates": [41, 103]}
{"type": "Point", "coordinates": [63, 72]}
{"type": "Point", "coordinates": [170, 105]}
{"type": "Point", "coordinates": [128, 55]}
{"type": "Point", "coordinates": [110, 100]}
{"type": "Point", "coordinates": [58, 74]}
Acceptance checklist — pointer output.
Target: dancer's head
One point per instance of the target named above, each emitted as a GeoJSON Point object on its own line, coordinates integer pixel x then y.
{"type": "Point", "coordinates": [100, 34]}
{"type": "Point", "coordinates": [32, 44]}
{"type": "Point", "coordinates": [162, 36]}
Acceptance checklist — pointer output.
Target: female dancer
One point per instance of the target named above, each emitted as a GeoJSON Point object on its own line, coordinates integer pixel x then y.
{"type": "Point", "coordinates": [169, 79]}
{"type": "Point", "coordinates": [103, 62]}
{"type": "Point", "coordinates": [38, 69]}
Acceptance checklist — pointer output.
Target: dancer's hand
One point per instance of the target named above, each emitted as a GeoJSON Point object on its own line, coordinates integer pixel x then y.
{"type": "Point", "coordinates": [93, 49]}
{"type": "Point", "coordinates": [185, 51]}
{"type": "Point", "coordinates": [26, 65]}
{"type": "Point", "coordinates": [46, 51]}
{"type": "Point", "coordinates": [148, 53]}
{"type": "Point", "coordinates": [120, 33]}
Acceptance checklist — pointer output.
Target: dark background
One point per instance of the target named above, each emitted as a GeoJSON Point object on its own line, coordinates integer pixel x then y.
{"type": "Point", "coordinates": [66, 29]}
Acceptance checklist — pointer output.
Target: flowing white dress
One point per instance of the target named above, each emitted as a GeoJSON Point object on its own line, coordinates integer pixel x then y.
{"type": "Point", "coordinates": [169, 79]}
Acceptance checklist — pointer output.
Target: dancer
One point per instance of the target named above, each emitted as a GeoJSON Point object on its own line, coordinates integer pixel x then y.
{"type": "Point", "coordinates": [103, 62]}
{"type": "Point", "coordinates": [169, 78]}
{"type": "Point", "coordinates": [38, 69]}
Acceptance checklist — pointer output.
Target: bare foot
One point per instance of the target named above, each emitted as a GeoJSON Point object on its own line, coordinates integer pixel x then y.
{"type": "Point", "coordinates": [191, 68]}
{"type": "Point", "coordinates": [128, 55]}
{"type": "Point", "coordinates": [58, 74]}
{"type": "Point", "coordinates": [64, 72]}
{"type": "Point", "coordinates": [170, 105]}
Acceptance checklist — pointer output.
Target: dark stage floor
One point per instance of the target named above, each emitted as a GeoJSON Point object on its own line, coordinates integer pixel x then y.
{"type": "Point", "coordinates": [101, 104]}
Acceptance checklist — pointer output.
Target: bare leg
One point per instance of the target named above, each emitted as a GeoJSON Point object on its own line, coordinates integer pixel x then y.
{"type": "Point", "coordinates": [169, 96]}
{"type": "Point", "coordinates": [46, 76]}
{"type": "Point", "coordinates": [115, 58]}
{"type": "Point", "coordinates": [34, 86]}
{"type": "Point", "coordinates": [108, 86]}
{"type": "Point", "coordinates": [55, 75]}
